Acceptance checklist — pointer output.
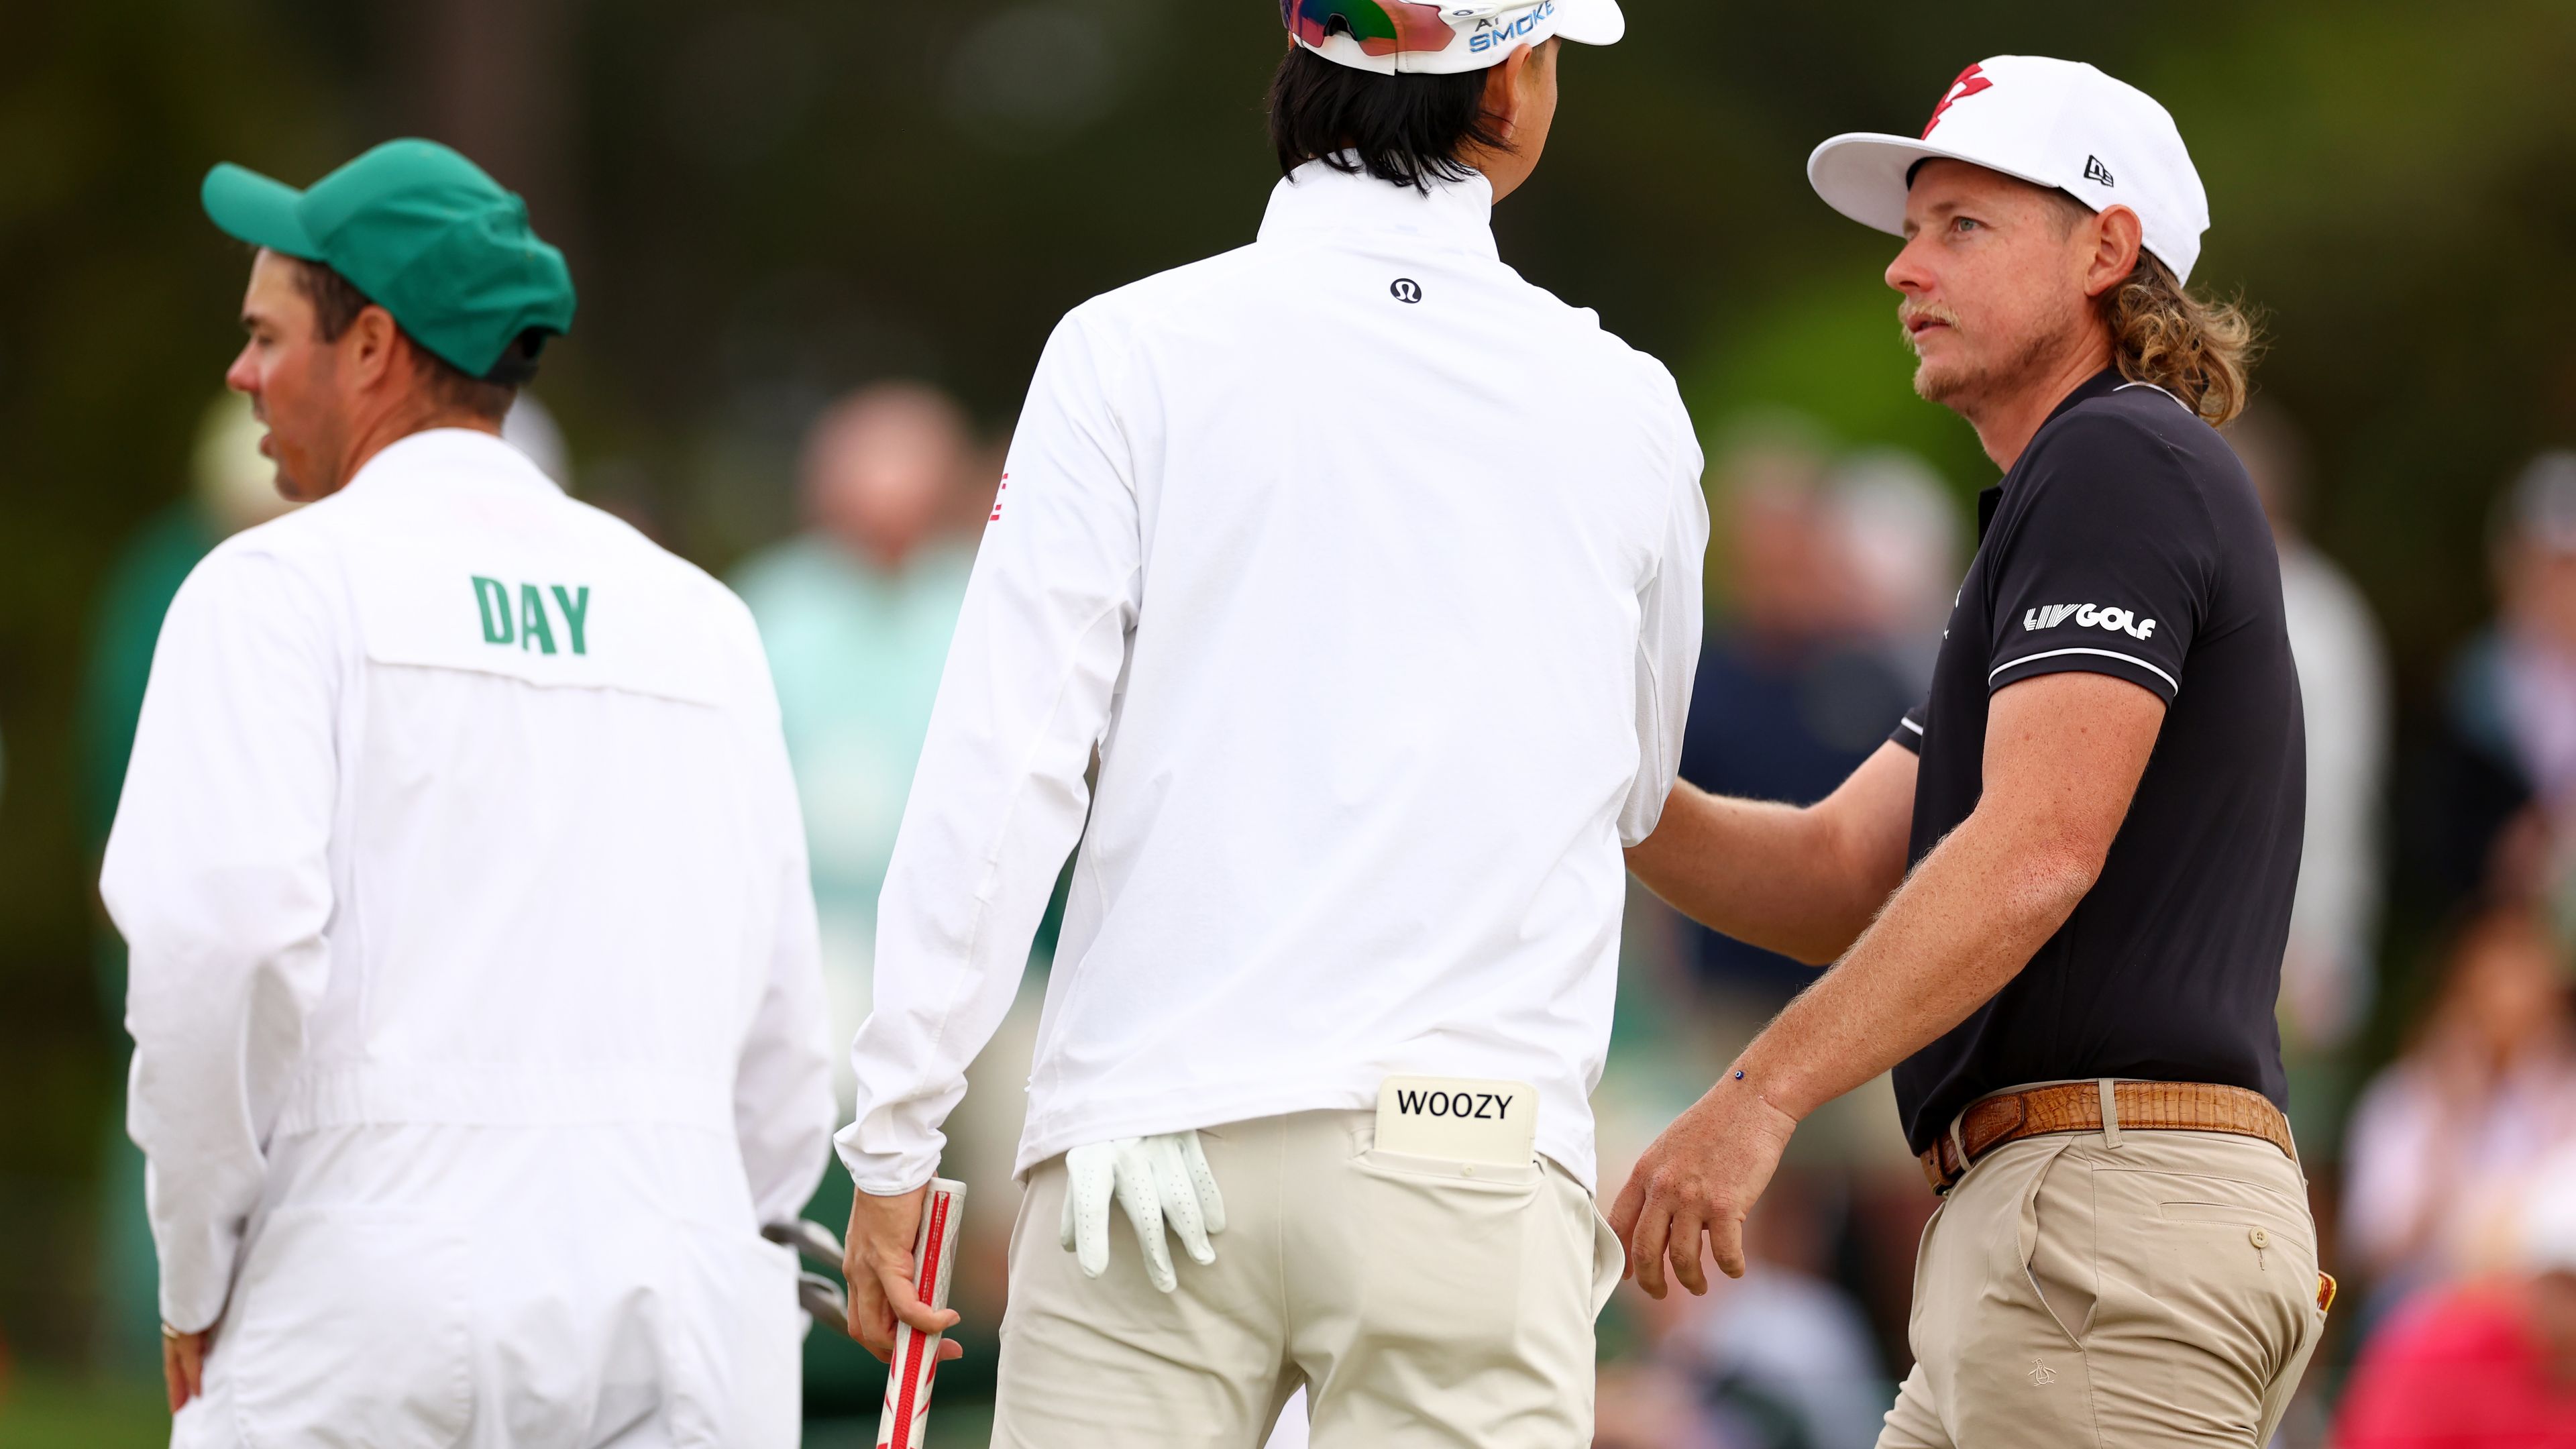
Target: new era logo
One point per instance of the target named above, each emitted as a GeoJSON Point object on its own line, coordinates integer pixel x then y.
{"type": "Point", "coordinates": [2094, 170]}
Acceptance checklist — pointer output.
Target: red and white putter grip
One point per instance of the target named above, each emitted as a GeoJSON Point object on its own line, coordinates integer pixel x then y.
{"type": "Point", "coordinates": [916, 1354]}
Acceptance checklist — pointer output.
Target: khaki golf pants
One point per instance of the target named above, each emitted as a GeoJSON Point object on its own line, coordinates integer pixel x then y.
{"type": "Point", "coordinates": [1419, 1301]}
{"type": "Point", "coordinates": [2158, 1292]}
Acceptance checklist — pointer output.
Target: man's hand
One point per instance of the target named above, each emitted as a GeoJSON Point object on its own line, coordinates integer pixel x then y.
{"type": "Point", "coordinates": [2064, 754]}
{"type": "Point", "coordinates": [876, 1261]}
{"type": "Point", "coordinates": [183, 1366]}
{"type": "Point", "coordinates": [1703, 1174]}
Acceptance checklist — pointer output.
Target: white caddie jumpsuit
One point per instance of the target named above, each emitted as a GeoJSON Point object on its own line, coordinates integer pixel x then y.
{"type": "Point", "coordinates": [477, 1020]}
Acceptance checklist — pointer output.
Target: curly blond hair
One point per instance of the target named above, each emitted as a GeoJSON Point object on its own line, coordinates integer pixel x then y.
{"type": "Point", "coordinates": [2200, 349]}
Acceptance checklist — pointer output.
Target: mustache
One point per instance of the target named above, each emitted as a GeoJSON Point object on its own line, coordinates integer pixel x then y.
{"type": "Point", "coordinates": [1909, 311]}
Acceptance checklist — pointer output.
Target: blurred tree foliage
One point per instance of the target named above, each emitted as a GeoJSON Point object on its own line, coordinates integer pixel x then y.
{"type": "Point", "coordinates": [767, 202]}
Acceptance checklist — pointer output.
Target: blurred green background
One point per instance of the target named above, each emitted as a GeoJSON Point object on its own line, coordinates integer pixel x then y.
{"type": "Point", "coordinates": [766, 203]}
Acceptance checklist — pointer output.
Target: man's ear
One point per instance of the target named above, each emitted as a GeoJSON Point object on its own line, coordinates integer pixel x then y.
{"type": "Point", "coordinates": [2117, 240]}
{"type": "Point", "coordinates": [368, 347]}
{"type": "Point", "coordinates": [1503, 93]}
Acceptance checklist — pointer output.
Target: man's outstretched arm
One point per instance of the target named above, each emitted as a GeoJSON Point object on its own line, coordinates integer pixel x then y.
{"type": "Point", "coordinates": [1800, 880]}
{"type": "Point", "coordinates": [2064, 753]}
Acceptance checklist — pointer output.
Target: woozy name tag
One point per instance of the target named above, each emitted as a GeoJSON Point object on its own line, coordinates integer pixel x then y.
{"type": "Point", "coordinates": [1459, 1118]}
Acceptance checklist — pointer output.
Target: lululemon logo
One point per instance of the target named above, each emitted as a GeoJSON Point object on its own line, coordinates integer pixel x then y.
{"type": "Point", "coordinates": [1405, 289]}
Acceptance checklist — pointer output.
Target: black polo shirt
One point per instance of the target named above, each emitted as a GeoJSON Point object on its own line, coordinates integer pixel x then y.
{"type": "Point", "coordinates": [2127, 541]}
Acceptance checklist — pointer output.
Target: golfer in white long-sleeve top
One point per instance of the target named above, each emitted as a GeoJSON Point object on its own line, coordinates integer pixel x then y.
{"type": "Point", "coordinates": [477, 1020]}
{"type": "Point", "coordinates": [1371, 573]}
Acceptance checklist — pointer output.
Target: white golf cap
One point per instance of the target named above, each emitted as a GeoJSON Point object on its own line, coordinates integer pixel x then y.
{"type": "Point", "coordinates": [1388, 36]}
{"type": "Point", "coordinates": [2054, 123]}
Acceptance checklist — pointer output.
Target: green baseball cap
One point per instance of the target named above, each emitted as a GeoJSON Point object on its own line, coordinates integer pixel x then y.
{"type": "Point", "coordinates": [427, 236]}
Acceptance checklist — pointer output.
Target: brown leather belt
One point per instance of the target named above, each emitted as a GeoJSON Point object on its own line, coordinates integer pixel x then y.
{"type": "Point", "coordinates": [1990, 1122]}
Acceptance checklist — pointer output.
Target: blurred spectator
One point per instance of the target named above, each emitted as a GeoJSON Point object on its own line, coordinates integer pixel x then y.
{"type": "Point", "coordinates": [2487, 1365]}
{"type": "Point", "coordinates": [231, 486]}
{"type": "Point", "coordinates": [1796, 685]}
{"type": "Point", "coordinates": [2444, 1140]}
{"type": "Point", "coordinates": [2511, 708]}
{"type": "Point", "coordinates": [1837, 577]}
{"type": "Point", "coordinates": [1781, 1358]}
{"type": "Point", "coordinates": [2329, 972]}
{"type": "Point", "coordinates": [2531, 711]}
{"type": "Point", "coordinates": [1902, 532]}
{"type": "Point", "coordinates": [855, 614]}
{"type": "Point", "coordinates": [1649, 1406]}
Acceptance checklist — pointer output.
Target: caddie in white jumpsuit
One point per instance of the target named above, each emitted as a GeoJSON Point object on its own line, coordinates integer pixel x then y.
{"type": "Point", "coordinates": [476, 1011]}
{"type": "Point", "coordinates": [1371, 573]}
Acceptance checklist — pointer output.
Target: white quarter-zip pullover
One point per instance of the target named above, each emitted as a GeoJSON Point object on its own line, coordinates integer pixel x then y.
{"type": "Point", "coordinates": [477, 1019]}
{"type": "Point", "coordinates": [1372, 572]}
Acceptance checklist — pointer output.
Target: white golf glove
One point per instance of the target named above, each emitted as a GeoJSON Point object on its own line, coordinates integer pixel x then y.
{"type": "Point", "coordinates": [1152, 1178]}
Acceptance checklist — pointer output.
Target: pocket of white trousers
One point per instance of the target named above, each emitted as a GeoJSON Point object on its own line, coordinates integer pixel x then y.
{"type": "Point", "coordinates": [1609, 1257]}
{"type": "Point", "coordinates": [1447, 1251]}
{"type": "Point", "coordinates": [351, 1326]}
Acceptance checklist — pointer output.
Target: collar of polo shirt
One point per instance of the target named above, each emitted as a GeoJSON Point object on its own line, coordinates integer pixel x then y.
{"type": "Point", "coordinates": [1317, 197]}
{"type": "Point", "coordinates": [1415, 38]}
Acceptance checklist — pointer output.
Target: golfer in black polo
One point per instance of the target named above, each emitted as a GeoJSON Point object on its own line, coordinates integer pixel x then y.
{"type": "Point", "coordinates": [2057, 899]}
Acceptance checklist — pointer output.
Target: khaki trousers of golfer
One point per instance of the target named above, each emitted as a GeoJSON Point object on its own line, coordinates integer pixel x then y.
{"type": "Point", "coordinates": [1420, 1301]}
{"type": "Point", "coordinates": [2161, 1292]}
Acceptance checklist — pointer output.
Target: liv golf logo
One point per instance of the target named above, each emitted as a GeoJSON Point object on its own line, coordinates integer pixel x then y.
{"type": "Point", "coordinates": [2086, 616]}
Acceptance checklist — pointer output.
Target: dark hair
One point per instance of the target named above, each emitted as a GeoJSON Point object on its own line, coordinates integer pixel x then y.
{"type": "Point", "coordinates": [1411, 130]}
{"type": "Point", "coordinates": [336, 304]}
